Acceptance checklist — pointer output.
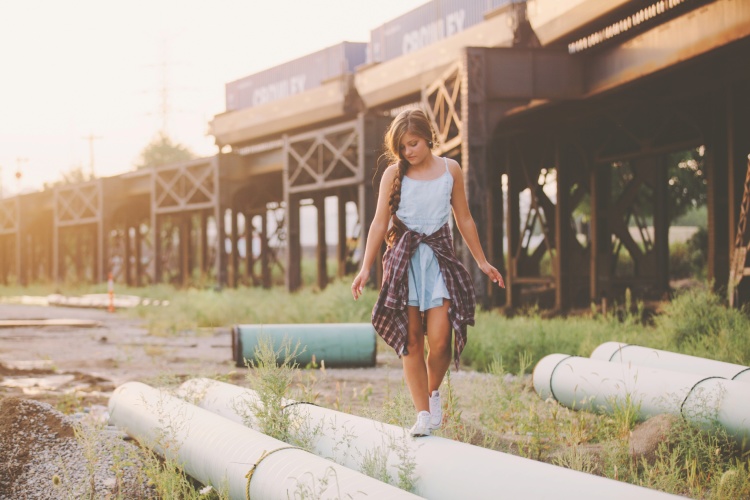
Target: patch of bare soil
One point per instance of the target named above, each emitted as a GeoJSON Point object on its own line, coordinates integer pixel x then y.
{"type": "Point", "coordinates": [41, 456]}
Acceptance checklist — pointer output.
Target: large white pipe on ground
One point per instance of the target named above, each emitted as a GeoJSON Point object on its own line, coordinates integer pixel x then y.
{"type": "Point", "coordinates": [666, 360]}
{"type": "Point", "coordinates": [442, 468]}
{"type": "Point", "coordinates": [592, 384]}
{"type": "Point", "coordinates": [221, 453]}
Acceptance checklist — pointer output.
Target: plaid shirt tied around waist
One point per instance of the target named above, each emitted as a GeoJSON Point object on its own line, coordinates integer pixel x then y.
{"type": "Point", "coordinates": [390, 317]}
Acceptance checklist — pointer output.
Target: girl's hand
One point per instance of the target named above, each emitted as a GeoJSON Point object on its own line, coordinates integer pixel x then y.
{"type": "Point", "coordinates": [493, 273]}
{"type": "Point", "coordinates": [359, 283]}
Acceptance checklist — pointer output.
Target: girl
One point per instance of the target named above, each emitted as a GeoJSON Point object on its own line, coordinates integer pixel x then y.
{"type": "Point", "coordinates": [425, 289]}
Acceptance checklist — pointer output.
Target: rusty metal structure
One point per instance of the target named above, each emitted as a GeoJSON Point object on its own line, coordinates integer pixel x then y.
{"type": "Point", "coordinates": [562, 113]}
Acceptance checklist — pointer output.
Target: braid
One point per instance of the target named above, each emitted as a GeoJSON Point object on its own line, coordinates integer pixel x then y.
{"type": "Point", "coordinates": [413, 121]}
{"type": "Point", "coordinates": [397, 227]}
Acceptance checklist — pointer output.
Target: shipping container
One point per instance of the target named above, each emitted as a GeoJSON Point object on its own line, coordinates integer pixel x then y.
{"type": "Point", "coordinates": [426, 25]}
{"type": "Point", "coordinates": [295, 76]}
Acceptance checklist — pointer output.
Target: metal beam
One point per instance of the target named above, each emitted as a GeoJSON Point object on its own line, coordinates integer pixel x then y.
{"type": "Point", "coordinates": [705, 29]}
{"type": "Point", "coordinates": [516, 73]}
{"type": "Point", "coordinates": [316, 105]}
{"type": "Point", "coordinates": [552, 20]}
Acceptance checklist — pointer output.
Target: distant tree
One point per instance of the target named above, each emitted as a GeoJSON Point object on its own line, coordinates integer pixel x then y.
{"type": "Point", "coordinates": [75, 175]}
{"type": "Point", "coordinates": [687, 182]}
{"type": "Point", "coordinates": [686, 185]}
{"type": "Point", "coordinates": [162, 151]}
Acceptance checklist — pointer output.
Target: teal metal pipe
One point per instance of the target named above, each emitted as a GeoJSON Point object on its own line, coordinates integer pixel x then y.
{"type": "Point", "coordinates": [335, 344]}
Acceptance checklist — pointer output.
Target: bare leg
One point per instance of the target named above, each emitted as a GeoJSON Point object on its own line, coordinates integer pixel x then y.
{"type": "Point", "coordinates": [439, 340]}
{"type": "Point", "coordinates": [415, 370]}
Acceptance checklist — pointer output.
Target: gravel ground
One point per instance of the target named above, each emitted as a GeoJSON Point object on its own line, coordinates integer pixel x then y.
{"type": "Point", "coordinates": [41, 456]}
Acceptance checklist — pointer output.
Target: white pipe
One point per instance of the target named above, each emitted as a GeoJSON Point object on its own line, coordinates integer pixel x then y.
{"type": "Point", "coordinates": [219, 452]}
{"type": "Point", "coordinates": [592, 384]}
{"type": "Point", "coordinates": [666, 360]}
{"type": "Point", "coordinates": [444, 469]}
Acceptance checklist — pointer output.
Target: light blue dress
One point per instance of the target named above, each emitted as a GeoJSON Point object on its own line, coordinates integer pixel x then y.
{"type": "Point", "coordinates": [425, 207]}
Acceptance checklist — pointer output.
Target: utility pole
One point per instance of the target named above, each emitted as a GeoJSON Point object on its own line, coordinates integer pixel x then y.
{"type": "Point", "coordinates": [91, 138]}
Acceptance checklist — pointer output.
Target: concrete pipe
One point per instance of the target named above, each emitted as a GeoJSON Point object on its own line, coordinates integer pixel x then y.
{"type": "Point", "coordinates": [443, 469]}
{"type": "Point", "coordinates": [216, 451]}
{"type": "Point", "coordinates": [666, 360]}
{"type": "Point", "coordinates": [592, 384]}
{"type": "Point", "coordinates": [336, 344]}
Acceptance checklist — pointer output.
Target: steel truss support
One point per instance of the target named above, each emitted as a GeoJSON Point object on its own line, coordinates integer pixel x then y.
{"type": "Point", "coordinates": [78, 208]}
{"type": "Point", "coordinates": [737, 159]}
{"type": "Point", "coordinates": [465, 104]}
{"type": "Point", "coordinates": [739, 273]}
{"type": "Point", "coordinates": [548, 257]}
{"type": "Point", "coordinates": [178, 193]}
{"type": "Point", "coordinates": [482, 179]}
{"type": "Point", "coordinates": [139, 252]}
{"type": "Point", "coordinates": [442, 102]}
{"type": "Point", "coordinates": [327, 162]}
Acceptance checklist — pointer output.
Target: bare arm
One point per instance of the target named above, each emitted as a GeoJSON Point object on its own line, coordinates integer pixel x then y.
{"type": "Point", "coordinates": [378, 228]}
{"type": "Point", "coordinates": [466, 225]}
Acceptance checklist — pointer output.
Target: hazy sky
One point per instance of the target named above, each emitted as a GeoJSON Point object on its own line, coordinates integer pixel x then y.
{"type": "Point", "coordinates": [72, 68]}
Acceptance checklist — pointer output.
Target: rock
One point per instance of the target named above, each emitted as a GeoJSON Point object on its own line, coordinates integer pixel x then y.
{"type": "Point", "coordinates": [646, 437]}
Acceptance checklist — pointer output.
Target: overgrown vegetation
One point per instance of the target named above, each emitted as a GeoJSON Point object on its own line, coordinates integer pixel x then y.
{"type": "Point", "coordinates": [502, 411]}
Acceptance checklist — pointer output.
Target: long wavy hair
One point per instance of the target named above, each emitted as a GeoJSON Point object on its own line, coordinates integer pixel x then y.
{"type": "Point", "coordinates": [412, 121]}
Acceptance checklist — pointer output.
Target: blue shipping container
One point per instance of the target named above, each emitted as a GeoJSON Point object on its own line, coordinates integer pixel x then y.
{"type": "Point", "coordinates": [295, 76]}
{"type": "Point", "coordinates": [426, 25]}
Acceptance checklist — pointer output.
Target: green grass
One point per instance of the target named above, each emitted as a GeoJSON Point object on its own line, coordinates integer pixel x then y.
{"type": "Point", "coordinates": [503, 412]}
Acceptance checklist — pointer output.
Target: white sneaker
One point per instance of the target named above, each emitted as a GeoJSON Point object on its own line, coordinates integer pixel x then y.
{"type": "Point", "coordinates": [436, 411]}
{"type": "Point", "coordinates": [422, 426]}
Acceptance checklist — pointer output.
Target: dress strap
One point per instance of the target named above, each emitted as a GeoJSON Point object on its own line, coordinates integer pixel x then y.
{"type": "Point", "coordinates": [446, 164]}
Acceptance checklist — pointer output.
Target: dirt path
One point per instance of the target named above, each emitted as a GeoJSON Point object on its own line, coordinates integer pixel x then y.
{"type": "Point", "coordinates": [52, 362]}
{"type": "Point", "coordinates": [66, 365]}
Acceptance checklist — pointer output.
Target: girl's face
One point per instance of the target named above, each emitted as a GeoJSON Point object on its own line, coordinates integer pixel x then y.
{"type": "Point", "coordinates": [414, 149]}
